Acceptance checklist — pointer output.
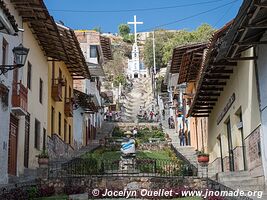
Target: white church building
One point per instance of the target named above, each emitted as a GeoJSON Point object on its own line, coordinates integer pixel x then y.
{"type": "Point", "coordinates": [136, 68]}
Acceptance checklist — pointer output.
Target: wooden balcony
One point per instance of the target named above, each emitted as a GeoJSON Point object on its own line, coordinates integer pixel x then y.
{"type": "Point", "coordinates": [19, 99]}
{"type": "Point", "coordinates": [57, 90]}
{"type": "Point", "coordinates": [68, 107]}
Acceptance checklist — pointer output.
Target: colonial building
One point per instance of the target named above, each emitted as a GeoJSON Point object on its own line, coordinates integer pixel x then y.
{"type": "Point", "coordinates": [186, 62]}
{"type": "Point", "coordinates": [62, 74]}
{"type": "Point", "coordinates": [38, 88]}
{"type": "Point", "coordinates": [97, 50]}
{"type": "Point", "coordinates": [227, 94]}
{"type": "Point", "coordinates": [10, 23]}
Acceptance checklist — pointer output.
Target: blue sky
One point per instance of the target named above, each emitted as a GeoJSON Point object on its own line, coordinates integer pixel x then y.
{"type": "Point", "coordinates": [179, 16]}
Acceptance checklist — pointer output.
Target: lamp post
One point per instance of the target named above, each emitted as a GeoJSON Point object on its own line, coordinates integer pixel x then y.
{"type": "Point", "coordinates": [20, 56]}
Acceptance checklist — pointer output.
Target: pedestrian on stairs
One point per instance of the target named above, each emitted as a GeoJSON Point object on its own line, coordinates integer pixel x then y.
{"type": "Point", "coordinates": [151, 115]}
{"type": "Point", "coordinates": [182, 137]}
{"type": "Point", "coordinates": [169, 122]}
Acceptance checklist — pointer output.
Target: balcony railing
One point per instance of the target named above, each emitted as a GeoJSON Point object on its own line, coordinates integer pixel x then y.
{"type": "Point", "coordinates": [68, 107]}
{"type": "Point", "coordinates": [19, 98]}
{"type": "Point", "coordinates": [57, 89]}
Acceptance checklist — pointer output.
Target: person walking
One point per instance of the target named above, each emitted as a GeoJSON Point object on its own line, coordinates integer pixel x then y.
{"type": "Point", "coordinates": [135, 132]}
{"type": "Point", "coordinates": [169, 122]}
{"type": "Point", "coordinates": [182, 137]}
{"type": "Point", "coordinates": [151, 115]}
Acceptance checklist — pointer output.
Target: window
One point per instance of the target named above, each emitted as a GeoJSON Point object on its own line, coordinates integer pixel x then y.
{"type": "Point", "coordinates": [44, 139]}
{"type": "Point", "coordinates": [69, 92]}
{"type": "Point", "coordinates": [59, 123]}
{"type": "Point", "coordinates": [93, 51]}
{"type": "Point", "coordinates": [37, 134]}
{"type": "Point", "coordinates": [41, 91]}
{"type": "Point", "coordinates": [52, 119]}
{"type": "Point", "coordinates": [259, 148]}
{"type": "Point", "coordinates": [29, 75]}
{"type": "Point", "coordinates": [65, 130]}
{"type": "Point", "coordinates": [4, 52]}
{"type": "Point", "coordinates": [60, 74]}
{"type": "Point", "coordinates": [65, 95]}
{"type": "Point", "coordinates": [69, 134]}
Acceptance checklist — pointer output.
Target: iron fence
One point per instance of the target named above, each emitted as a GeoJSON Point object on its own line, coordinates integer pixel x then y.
{"type": "Point", "coordinates": [80, 167]}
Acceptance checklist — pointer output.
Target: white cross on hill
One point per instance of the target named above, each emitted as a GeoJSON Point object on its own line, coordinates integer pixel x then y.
{"type": "Point", "coordinates": [135, 29]}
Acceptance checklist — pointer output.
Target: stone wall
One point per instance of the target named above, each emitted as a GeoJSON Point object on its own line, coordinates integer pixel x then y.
{"type": "Point", "coordinates": [238, 159]}
{"type": "Point", "coordinates": [154, 146]}
{"type": "Point", "coordinates": [253, 149]}
{"type": "Point", "coordinates": [130, 126]}
{"type": "Point", "coordinates": [120, 183]}
{"type": "Point", "coordinates": [57, 148]}
{"type": "Point", "coordinates": [215, 167]}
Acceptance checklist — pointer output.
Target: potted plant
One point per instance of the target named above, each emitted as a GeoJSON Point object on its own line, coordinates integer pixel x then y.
{"type": "Point", "coordinates": [202, 157]}
{"type": "Point", "coordinates": [43, 158]}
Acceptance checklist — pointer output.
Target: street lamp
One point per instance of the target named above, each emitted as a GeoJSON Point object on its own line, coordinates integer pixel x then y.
{"type": "Point", "coordinates": [20, 56]}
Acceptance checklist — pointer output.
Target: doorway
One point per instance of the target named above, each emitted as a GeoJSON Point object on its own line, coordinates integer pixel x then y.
{"type": "Point", "coordinates": [135, 75]}
{"type": "Point", "coordinates": [230, 146]}
{"type": "Point", "coordinates": [12, 146]}
{"type": "Point", "coordinates": [27, 141]}
{"type": "Point", "coordinates": [221, 152]}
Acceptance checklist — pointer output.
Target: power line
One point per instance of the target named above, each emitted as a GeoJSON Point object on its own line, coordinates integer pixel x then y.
{"type": "Point", "coordinates": [189, 17]}
{"type": "Point", "coordinates": [133, 10]}
{"type": "Point", "coordinates": [221, 18]}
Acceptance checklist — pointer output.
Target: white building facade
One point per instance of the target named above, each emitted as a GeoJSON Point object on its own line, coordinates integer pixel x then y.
{"type": "Point", "coordinates": [136, 68]}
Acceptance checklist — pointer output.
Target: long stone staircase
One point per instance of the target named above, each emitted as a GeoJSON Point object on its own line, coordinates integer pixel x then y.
{"type": "Point", "coordinates": [140, 95]}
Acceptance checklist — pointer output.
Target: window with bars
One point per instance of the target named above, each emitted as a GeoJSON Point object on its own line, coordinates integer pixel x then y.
{"type": "Point", "coordinates": [37, 128]}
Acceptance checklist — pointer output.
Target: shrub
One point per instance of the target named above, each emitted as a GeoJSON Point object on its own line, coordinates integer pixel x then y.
{"type": "Point", "coordinates": [72, 189]}
{"type": "Point", "coordinates": [117, 132]}
{"type": "Point", "coordinates": [32, 192]}
{"type": "Point", "coordinates": [46, 191]}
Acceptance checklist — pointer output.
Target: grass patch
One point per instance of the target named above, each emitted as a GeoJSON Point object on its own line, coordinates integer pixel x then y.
{"type": "Point", "coordinates": [162, 155]}
{"type": "Point", "coordinates": [145, 135]}
{"type": "Point", "coordinates": [107, 154]}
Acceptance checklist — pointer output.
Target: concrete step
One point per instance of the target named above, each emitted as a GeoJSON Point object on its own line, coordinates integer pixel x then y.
{"type": "Point", "coordinates": [244, 186]}
{"type": "Point", "coordinates": [234, 174]}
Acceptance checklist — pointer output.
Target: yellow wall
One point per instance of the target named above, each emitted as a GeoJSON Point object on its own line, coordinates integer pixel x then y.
{"type": "Point", "coordinates": [59, 106]}
{"type": "Point", "coordinates": [36, 109]}
{"type": "Point", "coordinates": [198, 125]}
{"type": "Point", "coordinates": [243, 83]}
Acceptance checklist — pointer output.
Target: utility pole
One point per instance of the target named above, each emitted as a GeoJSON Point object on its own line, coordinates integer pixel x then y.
{"type": "Point", "coordinates": [154, 65]}
{"type": "Point", "coordinates": [154, 68]}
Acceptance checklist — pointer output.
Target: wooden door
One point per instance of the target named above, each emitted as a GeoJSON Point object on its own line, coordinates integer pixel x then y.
{"type": "Point", "coordinates": [12, 147]}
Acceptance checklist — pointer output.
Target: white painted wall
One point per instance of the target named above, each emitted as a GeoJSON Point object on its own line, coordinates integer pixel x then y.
{"type": "Point", "coordinates": [13, 41]}
{"type": "Point", "coordinates": [36, 109]}
{"type": "Point", "coordinates": [262, 75]}
{"type": "Point", "coordinates": [78, 121]}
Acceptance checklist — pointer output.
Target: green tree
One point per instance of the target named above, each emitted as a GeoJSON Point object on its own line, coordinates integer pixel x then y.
{"type": "Point", "coordinates": [166, 41]}
{"type": "Point", "coordinates": [202, 34]}
{"type": "Point", "coordinates": [119, 79]}
{"type": "Point", "coordinates": [162, 36]}
{"type": "Point", "coordinates": [124, 32]}
{"type": "Point", "coordinates": [124, 29]}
